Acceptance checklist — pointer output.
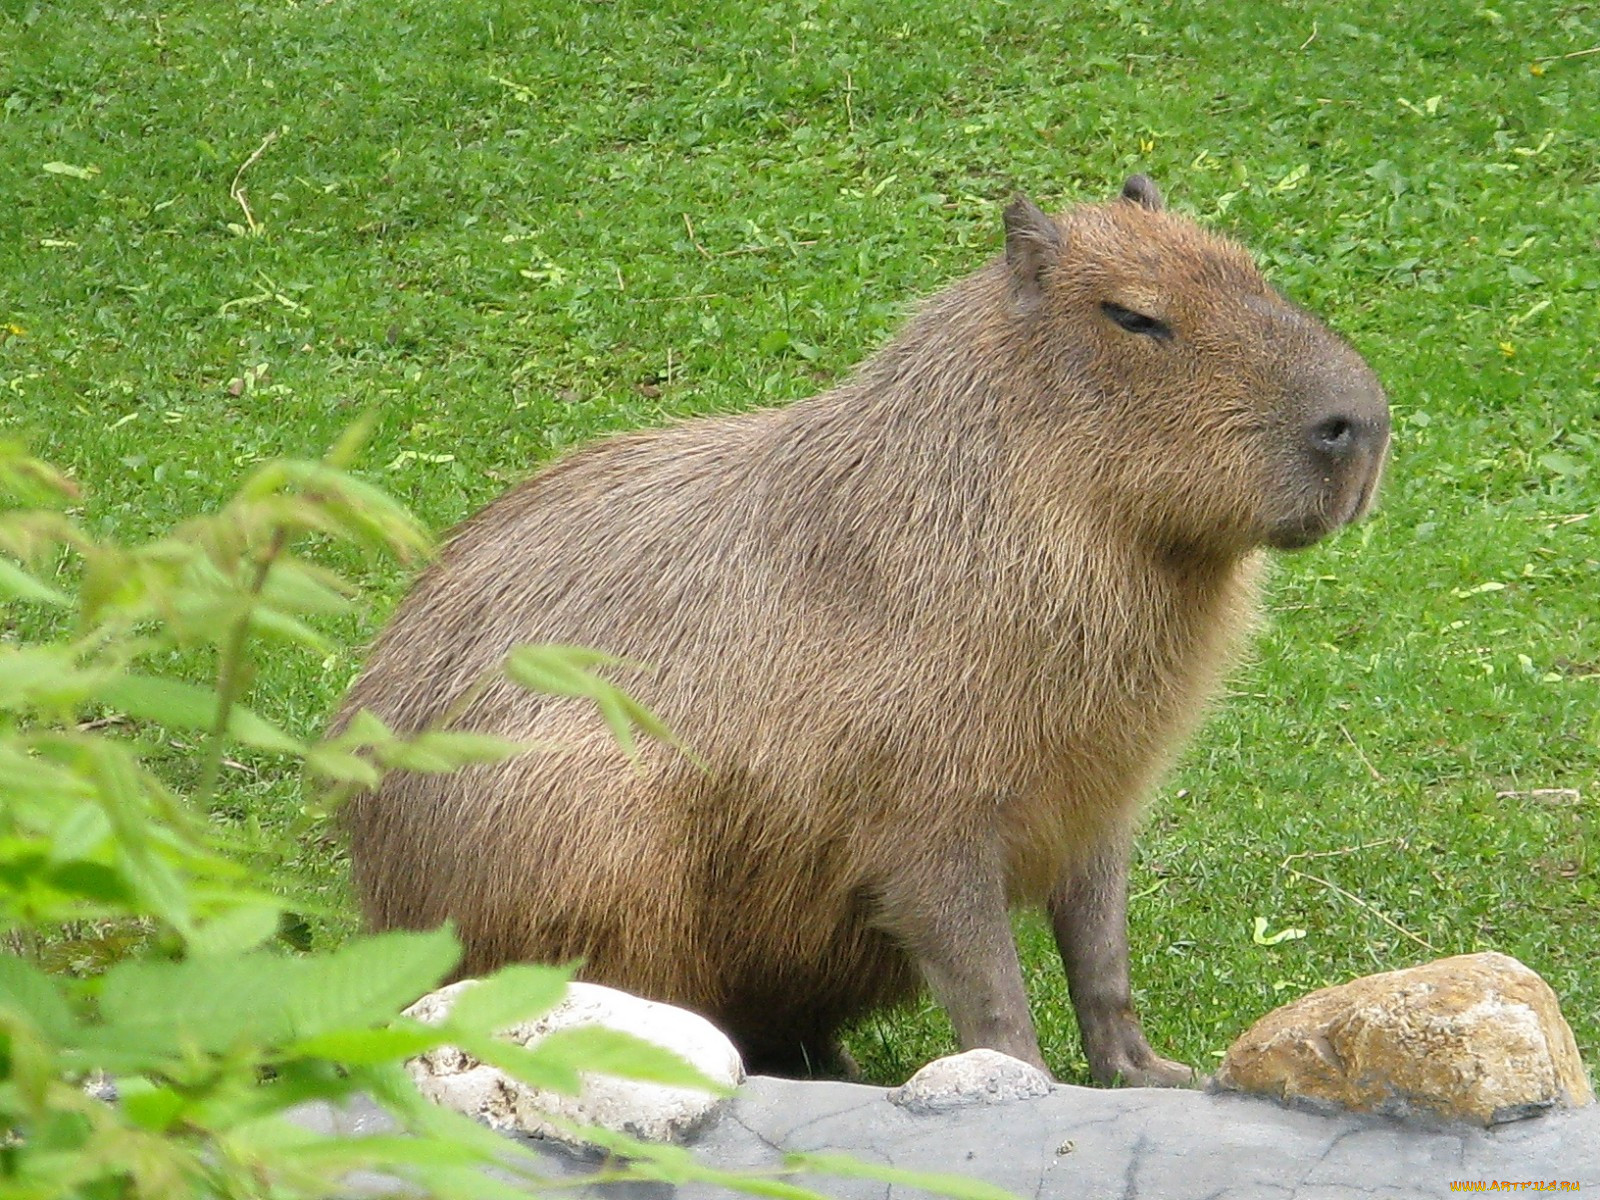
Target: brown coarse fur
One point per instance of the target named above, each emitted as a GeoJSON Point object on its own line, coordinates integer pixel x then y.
{"type": "Point", "coordinates": [932, 634]}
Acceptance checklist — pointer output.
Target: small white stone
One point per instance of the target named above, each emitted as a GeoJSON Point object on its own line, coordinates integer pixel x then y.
{"type": "Point", "coordinates": [649, 1111]}
{"type": "Point", "coordinates": [976, 1077]}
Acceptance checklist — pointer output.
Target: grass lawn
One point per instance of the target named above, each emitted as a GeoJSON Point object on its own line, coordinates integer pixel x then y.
{"type": "Point", "coordinates": [508, 227]}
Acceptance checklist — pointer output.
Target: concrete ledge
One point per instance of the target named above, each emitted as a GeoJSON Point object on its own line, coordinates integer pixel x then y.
{"type": "Point", "coordinates": [1086, 1143]}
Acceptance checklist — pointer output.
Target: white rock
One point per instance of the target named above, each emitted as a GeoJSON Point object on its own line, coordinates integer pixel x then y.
{"type": "Point", "coordinates": [976, 1077]}
{"type": "Point", "coordinates": [651, 1112]}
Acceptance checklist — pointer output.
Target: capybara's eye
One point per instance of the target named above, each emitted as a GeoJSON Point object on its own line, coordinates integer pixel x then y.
{"type": "Point", "coordinates": [1137, 322]}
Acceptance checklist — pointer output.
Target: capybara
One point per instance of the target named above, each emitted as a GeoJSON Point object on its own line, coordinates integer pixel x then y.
{"type": "Point", "coordinates": [931, 635]}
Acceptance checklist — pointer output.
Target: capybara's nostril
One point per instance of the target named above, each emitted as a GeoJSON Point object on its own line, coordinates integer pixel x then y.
{"type": "Point", "coordinates": [1334, 436]}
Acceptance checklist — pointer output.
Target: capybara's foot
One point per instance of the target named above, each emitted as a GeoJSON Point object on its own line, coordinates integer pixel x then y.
{"type": "Point", "coordinates": [1144, 1068]}
{"type": "Point", "coordinates": [1160, 1072]}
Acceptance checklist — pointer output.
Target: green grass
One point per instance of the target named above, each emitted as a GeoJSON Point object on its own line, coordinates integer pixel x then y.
{"type": "Point", "coordinates": [510, 227]}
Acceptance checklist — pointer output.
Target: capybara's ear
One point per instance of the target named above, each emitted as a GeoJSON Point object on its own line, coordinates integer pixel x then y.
{"type": "Point", "coordinates": [1141, 190]}
{"type": "Point", "coordinates": [1033, 244]}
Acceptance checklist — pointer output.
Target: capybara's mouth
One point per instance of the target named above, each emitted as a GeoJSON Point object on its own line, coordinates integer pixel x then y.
{"type": "Point", "coordinates": [1311, 529]}
{"type": "Point", "coordinates": [1296, 536]}
{"type": "Point", "coordinates": [1367, 495]}
{"type": "Point", "coordinates": [1362, 506]}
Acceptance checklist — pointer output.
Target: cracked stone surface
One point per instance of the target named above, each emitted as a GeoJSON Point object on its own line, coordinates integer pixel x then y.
{"type": "Point", "coordinates": [1134, 1144]}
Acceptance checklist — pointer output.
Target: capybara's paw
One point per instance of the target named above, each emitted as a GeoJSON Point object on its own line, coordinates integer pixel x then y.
{"type": "Point", "coordinates": [1160, 1072]}
{"type": "Point", "coordinates": [1133, 1064]}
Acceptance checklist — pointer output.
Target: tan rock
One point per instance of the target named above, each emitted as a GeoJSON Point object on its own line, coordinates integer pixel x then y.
{"type": "Point", "coordinates": [1478, 1038]}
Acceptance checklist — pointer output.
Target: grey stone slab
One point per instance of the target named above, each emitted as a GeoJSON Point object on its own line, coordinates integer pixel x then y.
{"type": "Point", "coordinates": [1086, 1143]}
{"type": "Point", "coordinates": [1157, 1145]}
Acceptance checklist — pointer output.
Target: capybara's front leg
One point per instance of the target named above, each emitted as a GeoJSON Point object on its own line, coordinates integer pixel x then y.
{"type": "Point", "coordinates": [1089, 911]}
{"type": "Point", "coordinates": [953, 919]}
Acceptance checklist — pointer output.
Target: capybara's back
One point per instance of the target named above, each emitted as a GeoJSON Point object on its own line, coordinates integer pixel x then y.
{"type": "Point", "coordinates": [931, 634]}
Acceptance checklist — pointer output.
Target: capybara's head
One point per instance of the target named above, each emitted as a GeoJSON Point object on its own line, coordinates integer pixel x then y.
{"type": "Point", "coordinates": [1212, 414]}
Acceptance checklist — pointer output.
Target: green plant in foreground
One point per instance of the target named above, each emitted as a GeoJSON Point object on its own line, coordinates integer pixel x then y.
{"type": "Point", "coordinates": [210, 1029]}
